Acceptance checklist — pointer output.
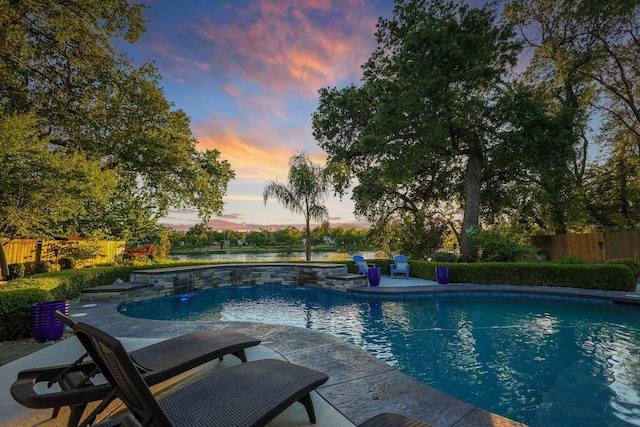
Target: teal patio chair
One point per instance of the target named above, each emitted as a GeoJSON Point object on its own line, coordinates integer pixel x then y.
{"type": "Point", "coordinates": [400, 265]}
{"type": "Point", "coordinates": [361, 264]}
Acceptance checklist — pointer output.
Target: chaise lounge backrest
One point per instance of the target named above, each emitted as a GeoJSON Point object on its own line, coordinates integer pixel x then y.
{"type": "Point", "coordinates": [118, 368]}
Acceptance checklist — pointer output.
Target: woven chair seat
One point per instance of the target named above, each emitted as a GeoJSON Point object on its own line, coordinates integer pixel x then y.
{"type": "Point", "coordinates": [156, 363]}
{"type": "Point", "coordinates": [249, 394]}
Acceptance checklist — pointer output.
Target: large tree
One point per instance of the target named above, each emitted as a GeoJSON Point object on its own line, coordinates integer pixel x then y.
{"type": "Point", "coordinates": [304, 193]}
{"type": "Point", "coordinates": [41, 186]}
{"type": "Point", "coordinates": [585, 59]}
{"type": "Point", "coordinates": [531, 178]}
{"type": "Point", "coordinates": [612, 188]}
{"type": "Point", "coordinates": [423, 122]}
{"type": "Point", "coordinates": [57, 61]}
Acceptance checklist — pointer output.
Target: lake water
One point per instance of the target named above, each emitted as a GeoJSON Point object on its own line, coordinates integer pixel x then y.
{"type": "Point", "coordinates": [272, 256]}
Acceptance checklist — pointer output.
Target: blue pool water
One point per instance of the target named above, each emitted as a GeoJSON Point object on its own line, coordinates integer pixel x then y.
{"type": "Point", "coordinates": [541, 362]}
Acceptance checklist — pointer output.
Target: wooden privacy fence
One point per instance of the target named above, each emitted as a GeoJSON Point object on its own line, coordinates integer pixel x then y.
{"type": "Point", "coordinates": [593, 247]}
{"type": "Point", "coordinates": [26, 251]}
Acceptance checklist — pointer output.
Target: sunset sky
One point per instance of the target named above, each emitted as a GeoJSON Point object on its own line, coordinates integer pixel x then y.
{"type": "Point", "coordinates": [247, 72]}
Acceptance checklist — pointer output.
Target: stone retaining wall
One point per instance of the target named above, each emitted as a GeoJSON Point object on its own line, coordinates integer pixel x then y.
{"type": "Point", "coordinates": [170, 281]}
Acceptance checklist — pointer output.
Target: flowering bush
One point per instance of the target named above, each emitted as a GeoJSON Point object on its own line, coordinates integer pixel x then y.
{"type": "Point", "coordinates": [140, 252]}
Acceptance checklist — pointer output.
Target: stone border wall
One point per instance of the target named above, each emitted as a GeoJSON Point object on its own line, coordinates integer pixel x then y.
{"type": "Point", "coordinates": [169, 281]}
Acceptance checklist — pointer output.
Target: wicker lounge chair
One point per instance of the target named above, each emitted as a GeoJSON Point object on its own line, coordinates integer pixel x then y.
{"type": "Point", "coordinates": [158, 362]}
{"type": "Point", "coordinates": [249, 394]}
{"type": "Point", "coordinates": [393, 420]}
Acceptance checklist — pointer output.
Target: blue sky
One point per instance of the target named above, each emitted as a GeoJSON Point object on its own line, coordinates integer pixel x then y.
{"type": "Point", "coordinates": [247, 72]}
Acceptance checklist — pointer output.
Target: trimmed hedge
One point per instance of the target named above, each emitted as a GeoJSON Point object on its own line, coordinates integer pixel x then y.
{"type": "Point", "coordinates": [17, 296]}
{"type": "Point", "coordinates": [607, 277]}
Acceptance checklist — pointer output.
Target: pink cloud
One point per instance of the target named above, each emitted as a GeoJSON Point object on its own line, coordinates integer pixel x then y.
{"type": "Point", "coordinates": [220, 225]}
{"type": "Point", "coordinates": [183, 211]}
{"type": "Point", "coordinates": [232, 91]}
{"type": "Point", "coordinates": [231, 216]}
{"type": "Point", "coordinates": [294, 45]}
{"type": "Point", "coordinates": [234, 221]}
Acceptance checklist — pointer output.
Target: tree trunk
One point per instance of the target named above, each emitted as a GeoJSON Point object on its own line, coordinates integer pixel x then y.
{"type": "Point", "coordinates": [308, 240]}
{"type": "Point", "coordinates": [473, 184]}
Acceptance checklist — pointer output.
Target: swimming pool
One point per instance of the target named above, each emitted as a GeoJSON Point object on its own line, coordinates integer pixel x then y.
{"type": "Point", "coordinates": [541, 362]}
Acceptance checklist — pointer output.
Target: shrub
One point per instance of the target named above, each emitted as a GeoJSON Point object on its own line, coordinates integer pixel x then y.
{"type": "Point", "coordinates": [43, 267]}
{"type": "Point", "coordinates": [164, 246]}
{"type": "Point", "coordinates": [629, 262]}
{"type": "Point", "coordinates": [444, 257]}
{"type": "Point", "coordinates": [140, 252]}
{"type": "Point", "coordinates": [80, 251]}
{"type": "Point", "coordinates": [502, 245]}
{"type": "Point", "coordinates": [584, 276]}
{"type": "Point", "coordinates": [67, 263]}
{"type": "Point", "coordinates": [16, 271]}
{"type": "Point", "coordinates": [572, 260]}
{"type": "Point", "coordinates": [17, 296]}
{"type": "Point", "coordinates": [15, 312]}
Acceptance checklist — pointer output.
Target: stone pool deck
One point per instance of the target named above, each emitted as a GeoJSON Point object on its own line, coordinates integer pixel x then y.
{"type": "Point", "coordinates": [359, 387]}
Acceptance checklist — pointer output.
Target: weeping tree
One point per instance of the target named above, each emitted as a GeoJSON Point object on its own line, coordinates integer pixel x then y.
{"type": "Point", "coordinates": [304, 193]}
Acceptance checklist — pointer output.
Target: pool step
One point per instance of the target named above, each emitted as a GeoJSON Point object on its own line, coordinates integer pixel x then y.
{"type": "Point", "coordinates": [343, 282]}
{"type": "Point", "coordinates": [117, 291]}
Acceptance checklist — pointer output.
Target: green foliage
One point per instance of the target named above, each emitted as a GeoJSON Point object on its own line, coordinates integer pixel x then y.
{"type": "Point", "coordinates": [67, 263]}
{"type": "Point", "coordinates": [417, 237]}
{"type": "Point", "coordinates": [44, 267]}
{"type": "Point", "coordinates": [572, 260]}
{"type": "Point", "coordinates": [584, 64]}
{"type": "Point", "coordinates": [80, 251]}
{"type": "Point", "coordinates": [16, 271]}
{"type": "Point", "coordinates": [164, 246]}
{"type": "Point", "coordinates": [15, 312]}
{"type": "Point", "coordinates": [17, 296]}
{"type": "Point", "coordinates": [107, 121]}
{"type": "Point", "coordinates": [533, 157]}
{"type": "Point", "coordinates": [444, 257]}
{"type": "Point", "coordinates": [42, 186]}
{"type": "Point", "coordinates": [425, 111]}
{"type": "Point", "coordinates": [612, 189]}
{"type": "Point", "coordinates": [502, 245]}
{"type": "Point", "coordinates": [582, 276]}
{"type": "Point", "coordinates": [633, 265]}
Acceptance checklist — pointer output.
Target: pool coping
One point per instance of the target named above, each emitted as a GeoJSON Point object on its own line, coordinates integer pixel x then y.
{"type": "Point", "coordinates": [456, 289]}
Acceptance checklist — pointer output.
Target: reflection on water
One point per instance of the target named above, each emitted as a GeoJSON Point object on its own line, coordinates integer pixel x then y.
{"type": "Point", "coordinates": [544, 363]}
{"type": "Point", "coordinates": [271, 256]}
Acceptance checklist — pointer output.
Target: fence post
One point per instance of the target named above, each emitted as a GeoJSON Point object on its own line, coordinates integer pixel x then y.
{"type": "Point", "coordinates": [38, 251]}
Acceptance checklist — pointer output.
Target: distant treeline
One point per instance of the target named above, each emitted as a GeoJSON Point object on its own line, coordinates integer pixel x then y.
{"type": "Point", "coordinates": [199, 235]}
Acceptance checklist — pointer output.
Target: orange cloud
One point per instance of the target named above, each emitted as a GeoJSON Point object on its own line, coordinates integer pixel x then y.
{"type": "Point", "coordinates": [249, 160]}
{"type": "Point", "coordinates": [256, 150]}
